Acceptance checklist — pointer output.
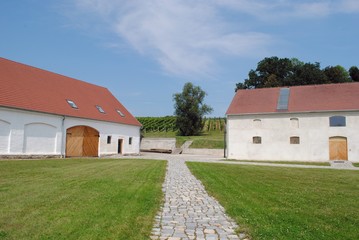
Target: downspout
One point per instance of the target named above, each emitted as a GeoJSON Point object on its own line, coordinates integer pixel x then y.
{"type": "Point", "coordinates": [225, 139]}
{"type": "Point", "coordinates": [63, 138]}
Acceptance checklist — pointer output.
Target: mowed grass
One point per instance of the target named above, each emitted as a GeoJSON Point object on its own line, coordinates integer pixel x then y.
{"type": "Point", "coordinates": [282, 162]}
{"type": "Point", "coordinates": [286, 203]}
{"type": "Point", "coordinates": [210, 139]}
{"type": "Point", "coordinates": [79, 198]}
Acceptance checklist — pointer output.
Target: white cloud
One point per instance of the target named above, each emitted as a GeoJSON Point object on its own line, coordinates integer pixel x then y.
{"type": "Point", "coordinates": [186, 37]}
{"type": "Point", "coordinates": [350, 6]}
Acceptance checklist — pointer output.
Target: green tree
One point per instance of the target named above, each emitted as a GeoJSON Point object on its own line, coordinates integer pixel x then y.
{"type": "Point", "coordinates": [190, 110]}
{"type": "Point", "coordinates": [354, 73]}
{"type": "Point", "coordinates": [337, 74]}
{"type": "Point", "coordinates": [308, 74]}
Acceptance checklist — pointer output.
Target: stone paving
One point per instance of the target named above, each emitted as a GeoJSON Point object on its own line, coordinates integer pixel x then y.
{"type": "Point", "coordinates": [188, 211]}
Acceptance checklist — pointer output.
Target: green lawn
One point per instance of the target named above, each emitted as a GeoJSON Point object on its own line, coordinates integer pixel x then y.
{"type": "Point", "coordinates": [286, 203]}
{"type": "Point", "coordinates": [356, 164]}
{"type": "Point", "coordinates": [211, 139]}
{"type": "Point", "coordinates": [79, 199]}
{"type": "Point", "coordinates": [283, 162]}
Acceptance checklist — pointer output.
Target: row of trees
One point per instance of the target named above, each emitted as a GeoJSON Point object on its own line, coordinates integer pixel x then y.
{"type": "Point", "coordinates": [278, 72]}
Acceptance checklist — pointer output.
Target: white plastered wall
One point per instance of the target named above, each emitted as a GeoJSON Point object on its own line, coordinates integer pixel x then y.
{"type": "Point", "coordinates": [115, 130]}
{"type": "Point", "coordinates": [275, 131]}
{"type": "Point", "coordinates": [26, 133]}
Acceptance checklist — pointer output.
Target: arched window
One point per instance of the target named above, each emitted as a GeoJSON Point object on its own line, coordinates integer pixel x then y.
{"type": "Point", "coordinates": [294, 122]}
{"type": "Point", "coordinates": [257, 123]}
{"type": "Point", "coordinates": [337, 121]}
{"type": "Point", "coordinates": [257, 140]}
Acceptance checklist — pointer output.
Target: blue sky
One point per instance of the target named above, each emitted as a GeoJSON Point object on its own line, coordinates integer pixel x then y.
{"type": "Point", "coordinates": [144, 51]}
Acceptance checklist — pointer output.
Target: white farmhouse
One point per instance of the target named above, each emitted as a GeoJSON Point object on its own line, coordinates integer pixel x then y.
{"type": "Point", "coordinates": [47, 114]}
{"type": "Point", "coordinates": [304, 123]}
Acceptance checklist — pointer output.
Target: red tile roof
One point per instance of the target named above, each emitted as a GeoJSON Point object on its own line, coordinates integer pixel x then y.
{"type": "Point", "coordinates": [309, 98]}
{"type": "Point", "coordinates": [34, 89]}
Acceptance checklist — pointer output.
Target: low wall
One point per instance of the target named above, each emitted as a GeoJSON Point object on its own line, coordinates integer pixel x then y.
{"type": "Point", "coordinates": [158, 144]}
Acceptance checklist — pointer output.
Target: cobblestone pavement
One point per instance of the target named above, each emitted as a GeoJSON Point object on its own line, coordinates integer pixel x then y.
{"type": "Point", "coordinates": [188, 211]}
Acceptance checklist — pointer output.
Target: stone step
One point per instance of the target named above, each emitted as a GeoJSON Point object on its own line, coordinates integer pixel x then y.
{"type": "Point", "coordinates": [341, 164]}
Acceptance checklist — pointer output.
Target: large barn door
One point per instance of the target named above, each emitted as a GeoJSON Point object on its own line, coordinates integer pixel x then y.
{"type": "Point", "coordinates": [338, 148]}
{"type": "Point", "coordinates": [82, 141]}
{"type": "Point", "coordinates": [90, 146]}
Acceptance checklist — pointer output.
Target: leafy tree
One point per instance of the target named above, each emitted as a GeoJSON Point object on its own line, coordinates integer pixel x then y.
{"type": "Point", "coordinates": [337, 74]}
{"type": "Point", "coordinates": [190, 109]}
{"type": "Point", "coordinates": [354, 73]}
{"type": "Point", "coordinates": [307, 74]}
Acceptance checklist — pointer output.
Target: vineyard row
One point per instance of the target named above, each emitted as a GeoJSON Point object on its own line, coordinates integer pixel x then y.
{"type": "Point", "coordinates": [168, 124]}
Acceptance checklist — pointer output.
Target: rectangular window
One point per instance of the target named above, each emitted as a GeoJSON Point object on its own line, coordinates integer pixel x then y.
{"type": "Point", "coordinates": [130, 141]}
{"type": "Point", "coordinates": [109, 139]}
{"type": "Point", "coordinates": [257, 140]}
{"type": "Point", "coordinates": [294, 140]}
{"type": "Point", "coordinates": [337, 121]}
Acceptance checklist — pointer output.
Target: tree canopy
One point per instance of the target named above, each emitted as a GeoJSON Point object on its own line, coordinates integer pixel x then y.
{"type": "Point", "coordinates": [354, 73]}
{"type": "Point", "coordinates": [279, 72]}
{"type": "Point", "coordinates": [190, 109]}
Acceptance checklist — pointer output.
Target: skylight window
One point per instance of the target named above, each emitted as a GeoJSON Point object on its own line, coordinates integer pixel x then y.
{"type": "Point", "coordinates": [121, 113]}
{"type": "Point", "coordinates": [72, 103]}
{"type": "Point", "coordinates": [100, 109]}
{"type": "Point", "coordinates": [283, 99]}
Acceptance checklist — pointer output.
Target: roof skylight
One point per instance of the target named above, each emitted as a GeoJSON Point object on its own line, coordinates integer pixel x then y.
{"type": "Point", "coordinates": [121, 113]}
{"type": "Point", "coordinates": [100, 109]}
{"type": "Point", "coordinates": [72, 103]}
{"type": "Point", "coordinates": [283, 99]}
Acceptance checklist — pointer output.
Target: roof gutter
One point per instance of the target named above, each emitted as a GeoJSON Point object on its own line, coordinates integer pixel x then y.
{"type": "Point", "coordinates": [287, 112]}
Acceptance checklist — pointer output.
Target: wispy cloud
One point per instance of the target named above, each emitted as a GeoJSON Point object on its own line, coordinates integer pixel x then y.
{"type": "Point", "coordinates": [186, 37]}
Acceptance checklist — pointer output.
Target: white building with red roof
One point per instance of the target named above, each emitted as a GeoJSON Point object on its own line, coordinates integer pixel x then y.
{"type": "Point", "coordinates": [303, 123]}
{"type": "Point", "coordinates": [44, 113]}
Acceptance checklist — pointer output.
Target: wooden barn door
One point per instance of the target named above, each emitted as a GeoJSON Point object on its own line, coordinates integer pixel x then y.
{"type": "Point", "coordinates": [90, 145]}
{"type": "Point", "coordinates": [82, 141]}
{"type": "Point", "coordinates": [338, 148]}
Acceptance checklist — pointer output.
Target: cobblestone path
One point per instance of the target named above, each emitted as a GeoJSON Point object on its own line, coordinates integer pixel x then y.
{"type": "Point", "coordinates": [189, 212]}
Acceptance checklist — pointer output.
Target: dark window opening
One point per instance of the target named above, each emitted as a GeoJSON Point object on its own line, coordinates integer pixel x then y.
{"type": "Point", "coordinates": [257, 140]}
{"type": "Point", "coordinates": [109, 139]}
{"type": "Point", "coordinates": [294, 140]}
{"type": "Point", "coordinates": [130, 141]}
